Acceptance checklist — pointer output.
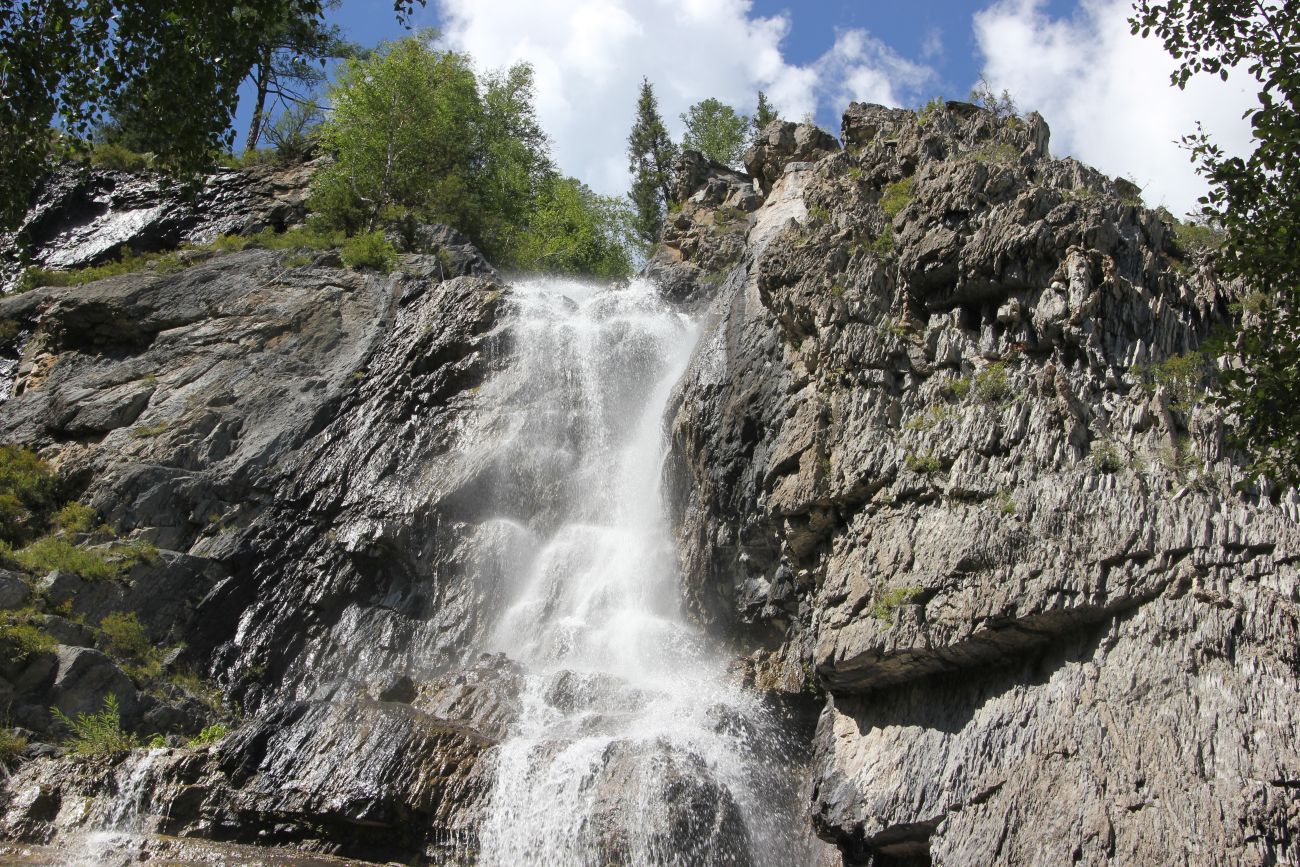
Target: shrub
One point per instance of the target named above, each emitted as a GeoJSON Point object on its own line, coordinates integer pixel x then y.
{"type": "Point", "coordinates": [11, 746]}
{"type": "Point", "coordinates": [883, 244]}
{"type": "Point", "coordinates": [8, 330]}
{"type": "Point", "coordinates": [28, 490]}
{"type": "Point", "coordinates": [1185, 378]}
{"type": "Point", "coordinates": [210, 735]}
{"type": "Point", "coordinates": [924, 464]}
{"type": "Point", "coordinates": [26, 638]}
{"type": "Point", "coordinates": [1106, 457]}
{"type": "Point", "coordinates": [995, 153]}
{"type": "Point", "coordinates": [928, 111]}
{"type": "Point", "coordinates": [123, 638]}
{"type": "Point", "coordinates": [896, 196]}
{"type": "Point", "coordinates": [1005, 504]}
{"type": "Point", "coordinates": [51, 552]}
{"type": "Point", "coordinates": [202, 691]}
{"type": "Point", "coordinates": [992, 384]}
{"type": "Point", "coordinates": [958, 388]}
{"type": "Point", "coordinates": [75, 518]}
{"type": "Point", "coordinates": [148, 431]}
{"type": "Point", "coordinates": [129, 263]}
{"type": "Point", "coordinates": [98, 734]}
{"type": "Point", "coordinates": [1198, 238]}
{"type": "Point", "coordinates": [369, 251]}
{"type": "Point", "coordinates": [114, 156]}
{"type": "Point", "coordinates": [929, 419]}
{"type": "Point", "coordinates": [890, 600]}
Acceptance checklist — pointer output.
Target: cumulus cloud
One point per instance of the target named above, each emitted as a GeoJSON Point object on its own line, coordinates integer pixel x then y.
{"type": "Point", "coordinates": [1106, 93]}
{"type": "Point", "coordinates": [590, 56]}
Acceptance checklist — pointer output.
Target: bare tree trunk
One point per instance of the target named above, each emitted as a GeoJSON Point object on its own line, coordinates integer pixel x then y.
{"type": "Point", "coordinates": [259, 107]}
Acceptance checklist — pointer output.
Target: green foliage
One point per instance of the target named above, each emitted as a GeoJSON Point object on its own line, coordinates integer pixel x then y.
{"type": "Point", "coordinates": [958, 388]}
{"type": "Point", "coordinates": [929, 419]}
{"type": "Point", "coordinates": [992, 384]}
{"type": "Point", "coordinates": [98, 735]}
{"type": "Point", "coordinates": [891, 600]}
{"type": "Point", "coordinates": [896, 196]}
{"type": "Point", "coordinates": [293, 134]}
{"type": "Point", "coordinates": [129, 263]}
{"type": "Point", "coordinates": [113, 156]}
{"type": "Point", "coordinates": [764, 114]}
{"type": "Point", "coordinates": [995, 153]}
{"type": "Point", "coordinates": [24, 637]}
{"type": "Point", "coordinates": [1185, 378]}
{"type": "Point", "coordinates": [1256, 201]}
{"type": "Point", "coordinates": [149, 431]}
{"type": "Point", "coordinates": [929, 111]}
{"type": "Point", "coordinates": [924, 464]}
{"type": "Point", "coordinates": [11, 746]}
{"type": "Point", "coordinates": [28, 490]}
{"type": "Point", "coordinates": [1107, 457]}
{"type": "Point", "coordinates": [1004, 503]}
{"type": "Point", "coordinates": [883, 244]}
{"type": "Point", "coordinates": [403, 135]}
{"type": "Point", "coordinates": [209, 736]}
{"type": "Point", "coordinates": [75, 518]}
{"type": "Point", "coordinates": [370, 251]}
{"type": "Point", "coordinates": [1001, 105]}
{"type": "Point", "coordinates": [175, 66]}
{"type": "Point", "coordinates": [715, 130]}
{"type": "Point", "coordinates": [50, 553]}
{"type": "Point", "coordinates": [1198, 237]}
{"type": "Point", "coordinates": [123, 638]}
{"type": "Point", "coordinates": [650, 158]}
{"type": "Point", "coordinates": [9, 329]}
{"type": "Point", "coordinates": [197, 688]}
{"type": "Point", "coordinates": [575, 231]}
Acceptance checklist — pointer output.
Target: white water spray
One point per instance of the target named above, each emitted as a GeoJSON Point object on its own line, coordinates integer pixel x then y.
{"type": "Point", "coordinates": [633, 746]}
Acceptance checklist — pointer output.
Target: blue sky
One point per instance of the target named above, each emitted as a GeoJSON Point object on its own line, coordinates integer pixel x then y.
{"type": "Point", "coordinates": [1104, 92]}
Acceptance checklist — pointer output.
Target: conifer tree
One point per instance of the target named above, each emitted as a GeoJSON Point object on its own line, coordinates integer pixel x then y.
{"type": "Point", "coordinates": [764, 114]}
{"type": "Point", "coordinates": [651, 154]}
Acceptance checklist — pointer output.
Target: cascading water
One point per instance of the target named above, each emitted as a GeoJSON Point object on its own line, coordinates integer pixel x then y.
{"type": "Point", "coordinates": [633, 746]}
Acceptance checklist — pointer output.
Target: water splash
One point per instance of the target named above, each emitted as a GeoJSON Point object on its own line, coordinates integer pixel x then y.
{"type": "Point", "coordinates": [633, 746]}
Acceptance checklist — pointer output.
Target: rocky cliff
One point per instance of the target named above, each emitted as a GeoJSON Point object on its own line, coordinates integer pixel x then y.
{"type": "Point", "coordinates": [932, 475]}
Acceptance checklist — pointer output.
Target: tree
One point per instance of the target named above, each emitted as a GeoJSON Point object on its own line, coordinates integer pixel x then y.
{"type": "Point", "coordinates": [1001, 106]}
{"type": "Point", "coordinates": [71, 60]}
{"type": "Point", "coordinates": [651, 155]}
{"type": "Point", "coordinates": [1256, 200]}
{"type": "Point", "coordinates": [404, 136]}
{"type": "Point", "coordinates": [715, 130]}
{"type": "Point", "coordinates": [763, 115]}
{"type": "Point", "coordinates": [291, 65]}
{"type": "Point", "coordinates": [295, 132]}
{"type": "Point", "coordinates": [572, 230]}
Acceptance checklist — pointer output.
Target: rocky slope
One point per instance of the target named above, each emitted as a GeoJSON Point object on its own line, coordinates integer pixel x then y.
{"type": "Point", "coordinates": [932, 475]}
{"type": "Point", "coordinates": [931, 457]}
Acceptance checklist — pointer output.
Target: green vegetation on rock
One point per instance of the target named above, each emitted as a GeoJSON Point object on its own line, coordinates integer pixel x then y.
{"type": "Point", "coordinates": [98, 735]}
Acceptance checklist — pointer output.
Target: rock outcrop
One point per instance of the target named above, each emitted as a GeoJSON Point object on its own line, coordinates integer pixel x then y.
{"type": "Point", "coordinates": [931, 459]}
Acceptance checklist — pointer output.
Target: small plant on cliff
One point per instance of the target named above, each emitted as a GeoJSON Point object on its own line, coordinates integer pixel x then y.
{"type": "Point", "coordinates": [25, 639]}
{"type": "Point", "coordinates": [1004, 503]}
{"type": "Point", "coordinates": [122, 636]}
{"type": "Point", "coordinates": [98, 735]}
{"type": "Point", "coordinates": [28, 490]}
{"type": "Point", "coordinates": [958, 388]}
{"type": "Point", "coordinates": [896, 196]}
{"type": "Point", "coordinates": [51, 553]}
{"type": "Point", "coordinates": [924, 464]}
{"type": "Point", "coordinates": [891, 600]}
{"type": "Point", "coordinates": [1184, 378]}
{"type": "Point", "coordinates": [1002, 105]}
{"type": "Point", "coordinates": [11, 745]}
{"type": "Point", "coordinates": [929, 111]}
{"type": "Point", "coordinates": [75, 518]}
{"type": "Point", "coordinates": [992, 385]}
{"type": "Point", "coordinates": [209, 736]}
{"type": "Point", "coordinates": [929, 419]}
{"type": "Point", "coordinates": [370, 251]}
{"type": "Point", "coordinates": [1107, 457]}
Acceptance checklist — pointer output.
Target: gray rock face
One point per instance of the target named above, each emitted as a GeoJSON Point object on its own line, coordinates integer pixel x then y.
{"type": "Point", "coordinates": [918, 463]}
{"type": "Point", "coordinates": [87, 216]}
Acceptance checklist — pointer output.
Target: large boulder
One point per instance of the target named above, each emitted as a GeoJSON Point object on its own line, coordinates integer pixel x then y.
{"type": "Point", "coordinates": [782, 143]}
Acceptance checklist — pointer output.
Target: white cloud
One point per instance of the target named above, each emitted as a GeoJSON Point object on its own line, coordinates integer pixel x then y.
{"type": "Point", "coordinates": [862, 68]}
{"type": "Point", "coordinates": [1106, 93]}
{"type": "Point", "coordinates": [590, 56]}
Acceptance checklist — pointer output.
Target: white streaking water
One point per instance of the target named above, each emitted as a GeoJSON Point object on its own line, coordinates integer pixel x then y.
{"type": "Point", "coordinates": [633, 746]}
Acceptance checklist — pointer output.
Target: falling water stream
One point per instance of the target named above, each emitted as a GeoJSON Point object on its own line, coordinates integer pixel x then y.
{"type": "Point", "coordinates": [633, 745]}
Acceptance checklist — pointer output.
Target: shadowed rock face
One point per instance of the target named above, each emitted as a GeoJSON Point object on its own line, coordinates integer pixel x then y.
{"type": "Point", "coordinates": [925, 474]}
{"type": "Point", "coordinates": [921, 468]}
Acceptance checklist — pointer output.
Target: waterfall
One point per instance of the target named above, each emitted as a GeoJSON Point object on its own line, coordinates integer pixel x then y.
{"type": "Point", "coordinates": [633, 746]}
